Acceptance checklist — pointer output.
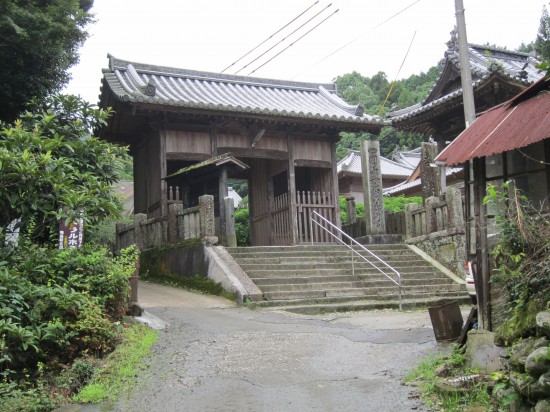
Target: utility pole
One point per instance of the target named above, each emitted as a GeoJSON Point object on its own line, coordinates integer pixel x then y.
{"type": "Point", "coordinates": [475, 168]}
{"type": "Point", "coordinates": [465, 72]}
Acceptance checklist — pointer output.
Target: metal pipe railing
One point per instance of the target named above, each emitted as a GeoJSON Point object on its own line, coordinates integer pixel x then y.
{"type": "Point", "coordinates": [312, 221]}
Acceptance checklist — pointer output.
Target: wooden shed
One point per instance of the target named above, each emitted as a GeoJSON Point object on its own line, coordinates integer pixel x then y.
{"type": "Point", "coordinates": [278, 135]}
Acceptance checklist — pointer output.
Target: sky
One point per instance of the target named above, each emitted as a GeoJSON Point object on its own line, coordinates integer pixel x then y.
{"type": "Point", "coordinates": [398, 37]}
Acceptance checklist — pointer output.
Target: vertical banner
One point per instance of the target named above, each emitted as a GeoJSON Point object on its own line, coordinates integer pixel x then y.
{"type": "Point", "coordinates": [71, 235]}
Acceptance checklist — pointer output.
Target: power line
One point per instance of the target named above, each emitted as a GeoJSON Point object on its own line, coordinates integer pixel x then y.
{"type": "Point", "coordinates": [297, 40]}
{"type": "Point", "coordinates": [278, 31]}
{"type": "Point", "coordinates": [357, 38]}
{"type": "Point", "coordinates": [279, 42]}
{"type": "Point", "coordinates": [398, 71]}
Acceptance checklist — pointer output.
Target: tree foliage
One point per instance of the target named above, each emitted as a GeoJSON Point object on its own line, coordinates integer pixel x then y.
{"type": "Point", "coordinates": [372, 94]}
{"type": "Point", "coordinates": [542, 42]}
{"type": "Point", "coordinates": [51, 167]}
{"type": "Point", "coordinates": [39, 41]}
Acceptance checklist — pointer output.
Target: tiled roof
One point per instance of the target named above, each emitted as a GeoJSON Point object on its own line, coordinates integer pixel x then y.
{"type": "Point", "coordinates": [402, 188]}
{"type": "Point", "coordinates": [351, 164]}
{"type": "Point", "coordinates": [163, 86]}
{"type": "Point", "coordinates": [484, 62]}
{"type": "Point", "coordinates": [409, 158]}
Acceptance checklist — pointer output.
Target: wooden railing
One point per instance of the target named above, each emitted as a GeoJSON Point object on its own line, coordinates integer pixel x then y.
{"type": "Point", "coordinates": [175, 194]}
{"type": "Point", "coordinates": [180, 224]}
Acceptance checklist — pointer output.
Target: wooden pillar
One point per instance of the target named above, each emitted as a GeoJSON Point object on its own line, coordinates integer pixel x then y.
{"type": "Point", "coordinates": [335, 191]}
{"type": "Point", "coordinates": [213, 139]}
{"type": "Point", "coordinates": [163, 167]}
{"type": "Point", "coordinates": [480, 213]}
{"type": "Point", "coordinates": [293, 218]}
{"type": "Point", "coordinates": [270, 201]}
{"type": "Point", "coordinates": [222, 194]}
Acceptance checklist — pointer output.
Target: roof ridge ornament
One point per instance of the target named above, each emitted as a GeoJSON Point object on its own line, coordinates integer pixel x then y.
{"type": "Point", "coordinates": [452, 44]}
{"type": "Point", "coordinates": [148, 89]}
{"type": "Point", "coordinates": [356, 110]}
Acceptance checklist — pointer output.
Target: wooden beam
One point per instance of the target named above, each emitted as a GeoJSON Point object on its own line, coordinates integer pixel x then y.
{"type": "Point", "coordinates": [187, 156]}
{"type": "Point", "coordinates": [254, 153]}
{"type": "Point", "coordinates": [162, 161]}
{"type": "Point", "coordinates": [321, 164]}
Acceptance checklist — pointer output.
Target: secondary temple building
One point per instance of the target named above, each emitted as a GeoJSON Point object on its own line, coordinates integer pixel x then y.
{"type": "Point", "coordinates": [190, 132]}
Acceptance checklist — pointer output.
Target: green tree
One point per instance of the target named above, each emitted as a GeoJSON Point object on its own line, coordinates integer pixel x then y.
{"type": "Point", "coordinates": [39, 40]}
{"type": "Point", "coordinates": [542, 42]}
{"type": "Point", "coordinates": [51, 167]}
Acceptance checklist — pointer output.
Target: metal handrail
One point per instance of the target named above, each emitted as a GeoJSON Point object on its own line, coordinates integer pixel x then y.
{"type": "Point", "coordinates": [355, 242]}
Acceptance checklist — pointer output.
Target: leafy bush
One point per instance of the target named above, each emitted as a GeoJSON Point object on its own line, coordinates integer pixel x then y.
{"type": "Point", "coordinates": [521, 258]}
{"type": "Point", "coordinates": [242, 227]}
{"type": "Point", "coordinates": [56, 305]}
{"type": "Point", "coordinates": [398, 203]}
{"type": "Point", "coordinates": [51, 167]}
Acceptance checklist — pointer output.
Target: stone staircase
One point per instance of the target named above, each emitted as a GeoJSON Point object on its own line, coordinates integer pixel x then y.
{"type": "Point", "coordinates": [316, 279]}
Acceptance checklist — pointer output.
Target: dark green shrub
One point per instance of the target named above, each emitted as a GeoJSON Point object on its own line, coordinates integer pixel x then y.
{"type": "Point", "coordinates": [242, 227]}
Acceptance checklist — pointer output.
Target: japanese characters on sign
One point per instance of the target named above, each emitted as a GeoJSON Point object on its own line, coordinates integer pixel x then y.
{"type": "Point", "coordinates": [71, 235]}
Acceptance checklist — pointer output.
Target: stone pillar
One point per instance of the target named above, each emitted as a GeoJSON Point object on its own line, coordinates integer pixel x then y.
{"type": "Point", "coordinates": [207, 218]}
{"type": "Point", "coordinates": [431, 220]}
{"type": "Point", "coordinates": [173, 210]}
{"type": "Point", "coordinates": [454, 207]}
{"type": "Point", "coordinates": [351, 210]}
{"type": "Point", "coordinates": [372, 187]}
{"type": "Point", "coordinates": [410, 230]}
{"type": "Point", "coordinates": [230, 234]}
{"type": "Point", "coordinates": [138, 219]}
{"type": "Point", "coordinates": [430, 176]}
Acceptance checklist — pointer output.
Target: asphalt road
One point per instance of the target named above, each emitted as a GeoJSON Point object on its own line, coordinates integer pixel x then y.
{"type": "Point", "coordinates": [214, 356]}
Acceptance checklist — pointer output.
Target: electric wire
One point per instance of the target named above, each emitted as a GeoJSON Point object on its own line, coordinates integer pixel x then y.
{"type": "Point", "coordinates": [398, 71]}
{"type": "Point", "coordinates": [294, 42]}
{"type": "Point", "coordinates": [357, 38]}
{"type": "Point", "coordinates": [280, 41]}
{"type": "Point", "coordinates": [277, 32]}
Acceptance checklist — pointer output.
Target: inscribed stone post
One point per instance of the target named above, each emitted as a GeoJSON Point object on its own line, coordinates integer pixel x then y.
{"type": "Point", "coordinates": [430, 176]}
{"type": "Point", "coordinates": [372, 188]}
{"type": "Point", "coordinates": [207, 219]}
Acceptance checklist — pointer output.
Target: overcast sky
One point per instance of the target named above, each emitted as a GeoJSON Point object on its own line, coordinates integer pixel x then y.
{"type": "Point", "coordinates": [212, 34]}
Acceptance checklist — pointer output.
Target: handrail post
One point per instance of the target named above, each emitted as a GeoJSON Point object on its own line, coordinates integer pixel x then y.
{"type": "Point", "coordinates": [311, 227]}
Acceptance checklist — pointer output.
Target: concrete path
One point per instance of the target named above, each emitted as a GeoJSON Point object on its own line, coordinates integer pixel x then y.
{"type": "Point", "coordinates": [214, 356]}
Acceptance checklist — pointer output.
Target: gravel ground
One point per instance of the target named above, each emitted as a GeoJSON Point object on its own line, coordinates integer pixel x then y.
{"type": "Point", "coordinates": [213, 356]}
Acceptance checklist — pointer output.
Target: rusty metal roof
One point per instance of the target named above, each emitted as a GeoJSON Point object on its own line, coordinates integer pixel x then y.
{"type": "Point", "coordinates": [521, 121]}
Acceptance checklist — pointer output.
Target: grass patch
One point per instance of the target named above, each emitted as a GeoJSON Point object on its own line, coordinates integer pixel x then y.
{"type": "Point", "coordinates": [197, 283]}
{"type": "Point", "coordinates": [118, 374]}
{"type": "Point", "coordinates": [431, 375]}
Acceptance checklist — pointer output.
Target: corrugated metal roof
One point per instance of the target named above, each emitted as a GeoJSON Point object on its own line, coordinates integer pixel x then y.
{"type": "Point", "coordinates": [517, 123]}
{"type": "Point", "coordinates": [141, 83]}
{"type": "Point", "coordinates": [351, 164]}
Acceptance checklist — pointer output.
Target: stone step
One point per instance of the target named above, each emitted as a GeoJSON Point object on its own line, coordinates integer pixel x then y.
{"type": "Point", "coordinates": [364, 305]}
{"type": "Point", "coordinates": [323, 290]}
{"type": "Point", "coordinates": [326, 262]}
{"type": "Point", "coordinates": [309, 248]}
{"type": "Point", "coordinates": [284, 273]}
{"type": "Point", "coordinates": [368, 281]}
{"type": "Point", "coordinates": [330, 255]}
{"type": "Point", "coordinates": [357, 286]}
{"type": "Point", "coordinates": [386, 300]}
